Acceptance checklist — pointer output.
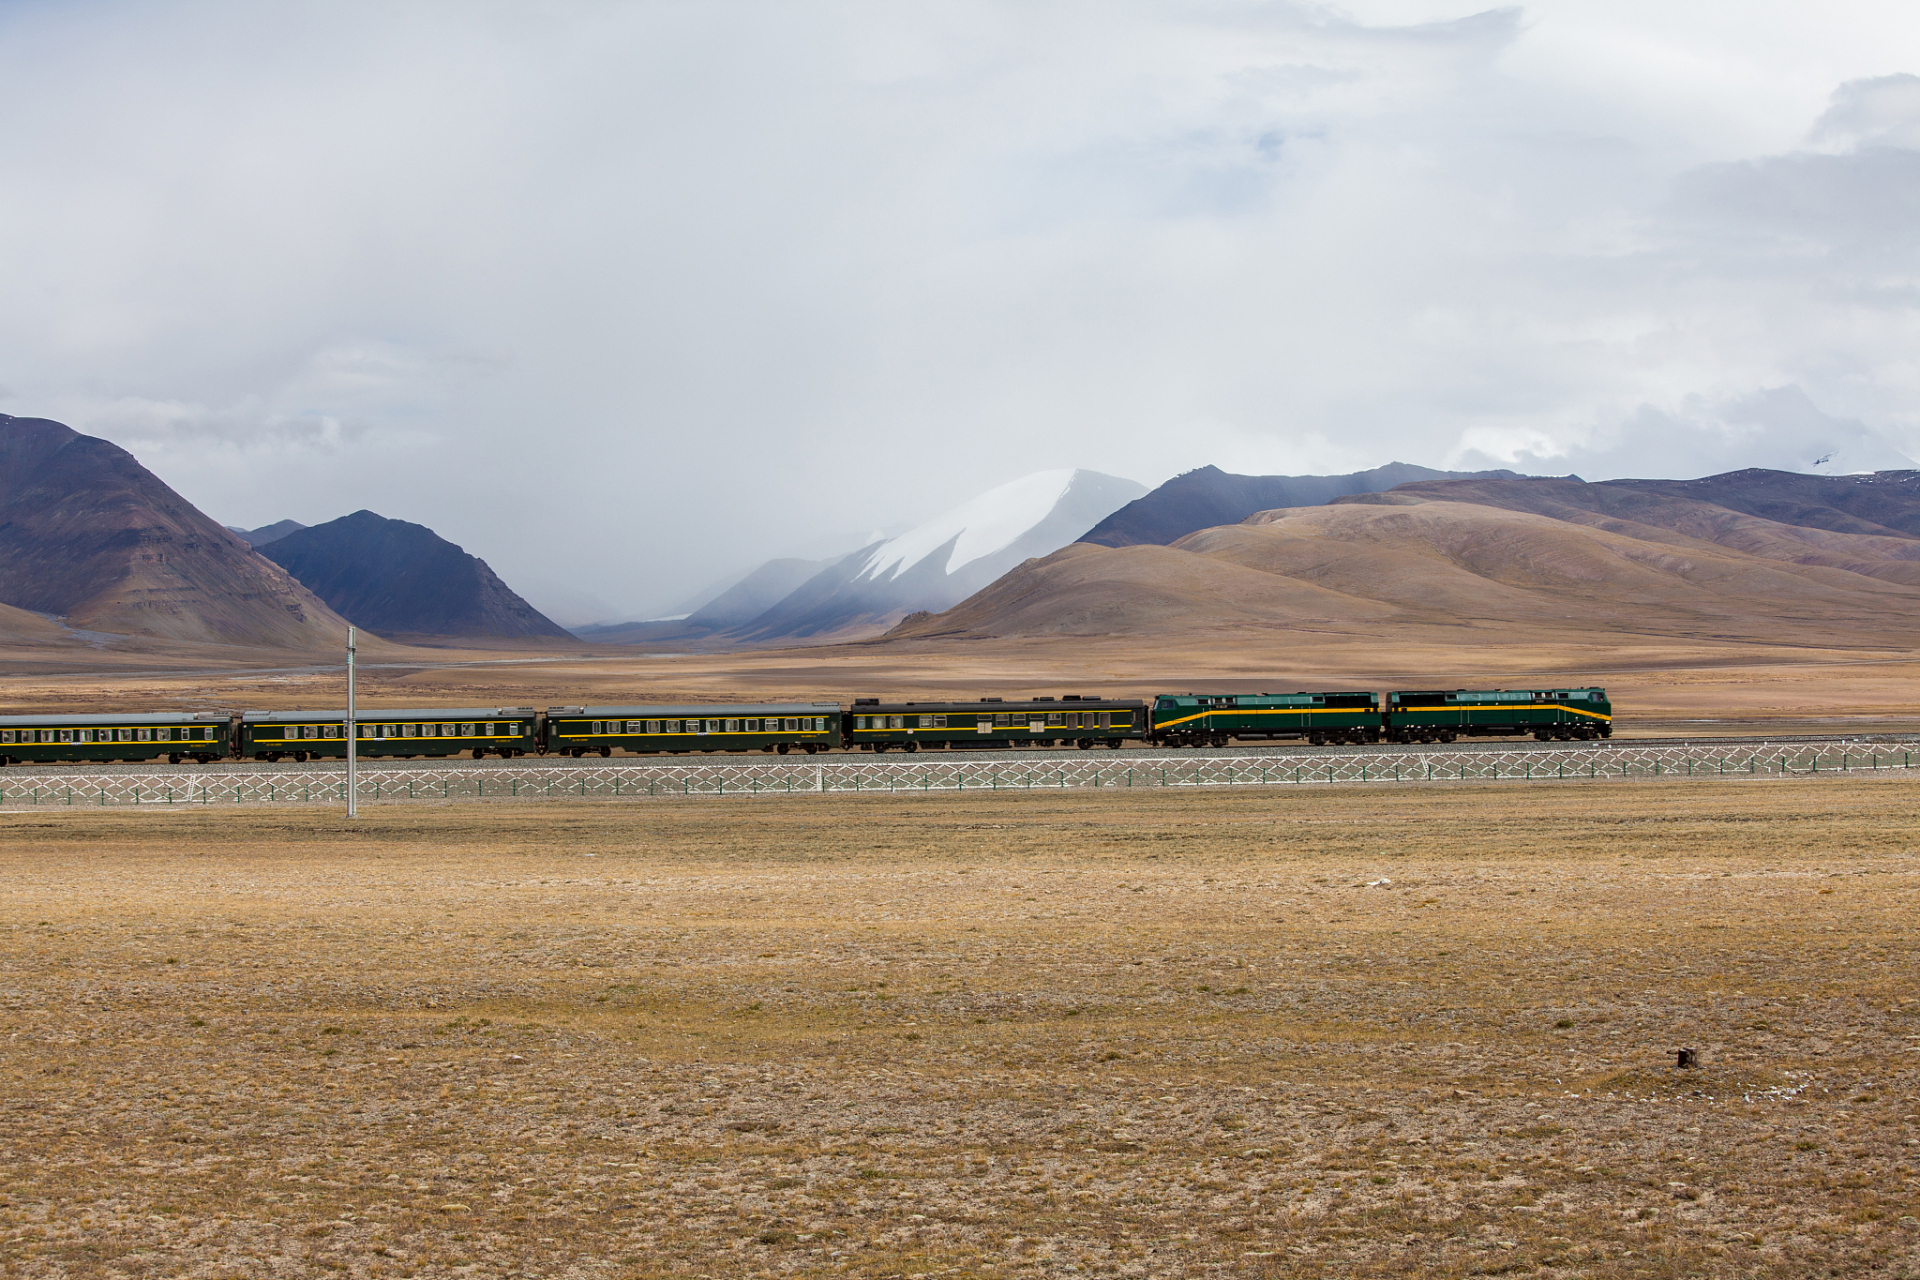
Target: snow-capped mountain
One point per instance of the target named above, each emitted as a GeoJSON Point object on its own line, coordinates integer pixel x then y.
{"type": "Point", "coordinates": [940, 563]}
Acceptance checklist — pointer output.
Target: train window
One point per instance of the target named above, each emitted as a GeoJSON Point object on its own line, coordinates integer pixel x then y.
{"type": "Point", "coordinates": [412, 730]}
{"type": "Point", "coordinates": [1002, 720]}
{"type": "Point", "coordinates": [939, 722]}
{"type": "Point", "coordinates": [1056, 719]}
{"type": "Point", "coordinates": [6, 736]}
{"type": "Point", "coordinates": [653, 726]}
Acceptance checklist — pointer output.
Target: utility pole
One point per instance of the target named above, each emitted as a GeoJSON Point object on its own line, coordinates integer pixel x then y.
{"type": "Point", "coordinates": [353, 738]}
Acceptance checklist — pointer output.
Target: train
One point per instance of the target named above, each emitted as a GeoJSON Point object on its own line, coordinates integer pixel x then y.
{"type": "Point", "coordinates": [1073, 721]}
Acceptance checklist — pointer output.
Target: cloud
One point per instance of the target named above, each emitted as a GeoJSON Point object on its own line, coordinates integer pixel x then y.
{"type": "Point", "coordinates": [1883, 111]}
{"type": "Point", "coordinates": [623, 298]}
{"type": "Point", "coordinates": [1779, 428]}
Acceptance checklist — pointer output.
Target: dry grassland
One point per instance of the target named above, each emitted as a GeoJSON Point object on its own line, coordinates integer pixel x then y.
{"type": "Point", "coordinates": [1353, 1033]}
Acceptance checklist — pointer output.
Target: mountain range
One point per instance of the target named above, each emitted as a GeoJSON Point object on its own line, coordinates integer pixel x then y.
{"type": "Point", "coordinates": [93, 539]}
{"type": "Point", "coordinates": [97, 551]}
{"type": "Point", "coordinates": [1767, 556]}
{"type": "Point", "coordinates": [1208, 496]}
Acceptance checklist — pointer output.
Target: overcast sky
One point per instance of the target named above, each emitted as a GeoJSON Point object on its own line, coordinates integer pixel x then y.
{"type": "Point", "coordinates": [625, 296]}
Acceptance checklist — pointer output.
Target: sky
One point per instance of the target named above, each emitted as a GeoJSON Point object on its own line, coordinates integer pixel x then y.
{"type": "Point", "coordinates": [627, 297]}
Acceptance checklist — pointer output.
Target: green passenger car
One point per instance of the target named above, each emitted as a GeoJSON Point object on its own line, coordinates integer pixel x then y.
{"type": "Point", "coordinates": [390, 734]}
{"type": "Point", "coordinates": [767, 726]}
{"type": "Point", "coordinates": [1210, 719]}
{"type": "Point", "coordinates": [1439, 715]}
{"type": "Point", "coordinates": [201, 736]}
{"type": "Point", "coordinates": [1073, 720]}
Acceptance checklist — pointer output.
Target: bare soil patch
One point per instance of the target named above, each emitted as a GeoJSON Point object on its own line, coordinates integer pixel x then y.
{"type": "Point", "coordinates": [1363, 1033]}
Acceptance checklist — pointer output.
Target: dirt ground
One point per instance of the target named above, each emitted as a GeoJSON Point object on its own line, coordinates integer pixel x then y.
{"type": "Point", "coordinates": [1348, 1033]}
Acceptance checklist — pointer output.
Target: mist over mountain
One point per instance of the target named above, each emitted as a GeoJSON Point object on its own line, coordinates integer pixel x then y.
{"type": "Point", "coordinates": [944, 560]}
{"type": "Point", "coordinates": [1208, 496]}
{"type": "Point", "coordinates": [89, 535]}
{"type": "Point", "coordinates": [403, 580]}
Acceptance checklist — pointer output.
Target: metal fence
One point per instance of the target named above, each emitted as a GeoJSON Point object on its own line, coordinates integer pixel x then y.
{"type": "Point", "coordinates": [909, 774]}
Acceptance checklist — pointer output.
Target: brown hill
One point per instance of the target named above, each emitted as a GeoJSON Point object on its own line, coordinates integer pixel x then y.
{"type": "Point", "coordinates": [89, 535]}
{"type": "Point", "coordinates": [1372, 567]}
{"type": "Point", "coordinates": [1652, 510]}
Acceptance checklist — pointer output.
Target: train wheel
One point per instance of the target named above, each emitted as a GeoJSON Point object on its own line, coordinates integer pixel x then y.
{"type": "Point", "coordinates": [605, 752]}
{"type": "Point", "coordinates": [782, 748]}
{"type": "Point", "coordinates": [1448, 735]}
{"type": "Point", "coordinates": [911, 747]}
{"type": "Point", "coordinates": [813, 748]}
{"type": "Point", "coordinates": [1541, 735]}
{"type": "Point", "coordinates": [1083, 743]}
{"type": "Point", "coordinates": [173, 758]}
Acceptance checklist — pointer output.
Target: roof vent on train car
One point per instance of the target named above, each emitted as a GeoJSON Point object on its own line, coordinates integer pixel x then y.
{"type": "Point", "coordinates": [508, 711]}
{"type": "Point", "coordinates": [989, 699]}
{"type": "Point", "coordinates": [866, 702]}
{"type": "Point", "coordinates": [1043, 699]}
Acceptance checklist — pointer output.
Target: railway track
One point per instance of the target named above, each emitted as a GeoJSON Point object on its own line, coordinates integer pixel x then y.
{"type": "Point", "coordinates": [1292, 752]}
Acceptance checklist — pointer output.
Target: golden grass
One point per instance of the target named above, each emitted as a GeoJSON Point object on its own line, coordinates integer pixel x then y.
{"type": "Point", "coordinates": [1356, 1033]}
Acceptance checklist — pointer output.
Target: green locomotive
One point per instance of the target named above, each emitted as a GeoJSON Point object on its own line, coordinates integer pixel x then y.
{"type": "Point", "coordinates": [388, 733]}
{"type": "Point", "coordinates": [205, 737]}
{"type": "Point", "coordinates": [1211, 719]}
{"type": "Point", "coordinates": [766, 726]}
{"type": "Point", "coordinates": [1440, 715]}
{"type": "Point", "coordinates": [1074, 719]}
